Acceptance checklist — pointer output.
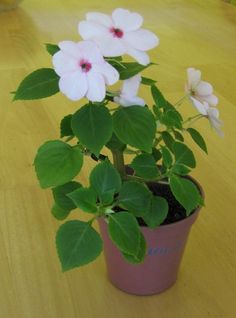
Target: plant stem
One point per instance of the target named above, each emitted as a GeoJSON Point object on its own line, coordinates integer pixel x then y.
{"type": "Point", "coordinates": [179, 102]}
{"type": "Point", "coordinates": [118, 161]}
{"type": "Point", "coordinates": [193, 119]}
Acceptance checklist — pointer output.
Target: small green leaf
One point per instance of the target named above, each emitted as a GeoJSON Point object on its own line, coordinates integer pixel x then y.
{"type": "Point", "coordinates": [156, 154]}
{"type": "Point", "coordinates": [92, 124]}
{"type": "Point", "coordinates": [135, 126]}
{"type": "Point", "coordinates": [39, 84]}
{"type": "Point", "coordinates": [124, 231]}
{"type": "Point", "coordinates": [60, 195]}
{"type": "Point", "coordinates": [172, 119]}
{"type": "Point", "coordinates": [115, 144]}
{"type": "Point", "coordinates": [57, 163]}
{"type": "Point", "coordinates": [77, 244]}
{"type": "Point", "coordinates": [135, 197]}
{"type": "Point", "coordinates": [180, 169]}
{"type": "Point", "coordinates": [197, 137]}
{"type": "Point", "coordinates": [85, 199]}
{"type": "Point", "coordinates": [168, 139]}
{"type": "Point", "coordinates": [166, 156]}
{"type": "Point", "coordinates": [178, 135]}
{"type": "Point", "coordinates": [183, 155]}
{"type": "Point", "coordinates": [127, 70]}
{"type": "Point", "coordinates": [142, 249]}
{"type": "Point", "coordinates": [59, 213]}
{"type": "Point", "coordinates": [145, 166]}
{"type": "Point", "coordinates": [52, 48]}
{"type": "Point", "coordinates": [158, 97]}
{"type": "Point", "coordinates": [157, 212]}
{"type": "Point", "coordinates": [105, 180]}
{"type": "Point", "coordinates": [148, 81]}
{"type": "Point", "coordinates": [65, 127]}
{"type": "Point", "coordinates": [185, 192]}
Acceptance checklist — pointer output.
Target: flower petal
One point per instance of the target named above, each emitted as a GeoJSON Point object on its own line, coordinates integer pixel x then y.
{"type": "Point", "coordinates": [126, 20]}
{"type": "Point", "coordinates": [64, 63]}
{"type": "Point", "coordinates": [110, 46]}
{"type": "Point", "coordinates": [90, 51]}
{"type": "Point", "coordinates": [74, 85]}
{"type": "Point", "coordinates": [139, 56]}
{"type": "Point", "coordinates": [212, 100]}
{"type": "Point", "coordinates": [70, 48]}
{"type": "Point", "coordinates": [90, 30]}
{"type": "Point", "coordinates": [216, 123]}
{"type": "Point", "coordinates": [100, 18]}
{"type": "Point", "coordinates": [127, 101]}
{"type": "Point", "coordinates": [110, 74]}
{"type": "Point", "coordinates": [204, 89]}
{"type": "Point", "coordinates": [194, 77]}
{"type": "Point", "coordinates": [130, 86]}
{"type": "Point", "coordinates": [142, 40]}
{"type": "Point", "coordinates": [201, 107]}
{"type": "Point", "coordinates": [96, 87]}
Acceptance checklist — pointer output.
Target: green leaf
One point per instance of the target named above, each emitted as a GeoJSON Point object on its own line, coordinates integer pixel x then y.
{"type": "Point", "coordinates": [171, 118]}
{"type": "Point", "coordinates": [60, 195]}
{"type": "Point", "coordinates": [57, 163]}
{"type": "Point", "coordinates": [142, 249]}
{"type": "Point", "coordinates": [145, 166]}
{"type": "Point", "coordinates": [39, 84]}
{"type": "Point", "coordinates": [180, 169]}
{"type": "Point", "coordinates": [127, 70]}
{"type": "Point", "coordinates": [183, 155]}
{"type": "Point", "coordinates": [178, 135]}
{"type": "Point", "coordinates": [124, 231]}
{"type": "Point", "coordinates": [135, 197]}
{"type": "Point", "coordinates": [197, 137]}
{"type": "Point", "coordinates": [135, 126]}
{"type": "Point", "coordinates": [158, 97]}
{"type": "Point", "coordinates": [77, 244]}
{"type": "Point", "coordinates": [185, 192]}
{"type": "Point", "coordinates": [168, 139]}
{"type": "Point", "coordinates": [115, 144]}
{"type": "Point", "coordinates": [92, 124]}
{"type": "Point", "coordinates": [59, 213]}
{"type": "Point", "coordinates": [85, 199]}
{"type": "Point", "coordinates": [65, 127]}
{"type": "Point", "coordinates": [156, 154]}
{"type": "Point", "coordinates": [105, 180]}
{"type": "Point", "coordinates": [166, 157]}
{"type": "Point", "coordinates": [52, 48]}
{"type": "Point", "coordinates": [157, 212]}
{"type": "Point", "coordinates": [148, 81]}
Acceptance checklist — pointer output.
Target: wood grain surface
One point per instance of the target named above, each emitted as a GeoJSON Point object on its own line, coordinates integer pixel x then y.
{"type": "Point", "coordinates": [194, 33]}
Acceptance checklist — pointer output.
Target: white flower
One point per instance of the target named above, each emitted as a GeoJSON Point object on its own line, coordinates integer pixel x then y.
{"type": "Point", "coordinates": [199, 90]}
{"type": "Point", "coordinates": [128, 95]}
{"type": "Point", "coordinates": [119, 34]}
{"type": "Point", "coordinates": [83, 71]}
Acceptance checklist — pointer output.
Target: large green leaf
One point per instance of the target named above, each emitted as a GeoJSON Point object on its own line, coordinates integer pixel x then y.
{"type": "Point", "coordinates": [39, 84]}
{"type": "Point", "coordinates": [197, 137]}
{"type": "Point", "coordinates": [135, 126]}
{"type": "Point", "coordinates": [145, 166]}
{"type": "Point", "coordinates": [142, 249]}
{"type": "Point", "coordinates": [183, 155]}
{"type": "Point", "coordinates": [185, 192]}
{"type": "Point", "coordinates": [57, 163]}
{"type": "Point", "coordinates": [60, 195]}
{"type": "Point", "coordinates": [105, 180]}
{"type": "Point", "coordinates": [157, 212]}
{"type": "Point", "coordinates": [85, 199]}
{"type": "Point", "coordinates": [92, 124]}
{"type": "Point", "coordinates": [77, 244]}
{"type": "Point", "coordinates": [124, 231]}
{"type": "Point", "coordinates": [135, 197]}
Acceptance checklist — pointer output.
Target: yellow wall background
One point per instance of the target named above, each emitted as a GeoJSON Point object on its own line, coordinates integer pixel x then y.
{"type": "Point", "coordinates": [194, 33]}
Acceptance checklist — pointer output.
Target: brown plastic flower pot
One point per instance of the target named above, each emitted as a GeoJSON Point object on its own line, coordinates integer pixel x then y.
{"type": "Point", "coordinates": [158, 272]}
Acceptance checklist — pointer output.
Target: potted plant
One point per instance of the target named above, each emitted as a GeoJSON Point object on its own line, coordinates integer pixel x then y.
{"type": "Point", "coordinates": [145, 208]}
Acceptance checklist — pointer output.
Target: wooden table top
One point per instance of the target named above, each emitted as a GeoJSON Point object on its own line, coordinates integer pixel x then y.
{"type": "Point", "coordinates": [194, 33]}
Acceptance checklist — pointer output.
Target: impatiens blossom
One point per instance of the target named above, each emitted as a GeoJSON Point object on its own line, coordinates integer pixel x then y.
{"type": "Point", "coordinates": [119, 34]}
{"type": "Point", "coordinates": [199, 90]}
{"type": "Point", "coordinates": [83, 71]}
{"type": "Point", "coordinates": [128, 94]}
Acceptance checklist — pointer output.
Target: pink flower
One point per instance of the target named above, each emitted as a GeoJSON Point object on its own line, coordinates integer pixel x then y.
{"type": "Point", "coordinates": [119, 34]}
{"type": "Point", "coordinates": [83, 71]}
{"type": "Point", "coordinates": [199, 90]}
{"type": "Point", "coordinates": [128, 95]}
